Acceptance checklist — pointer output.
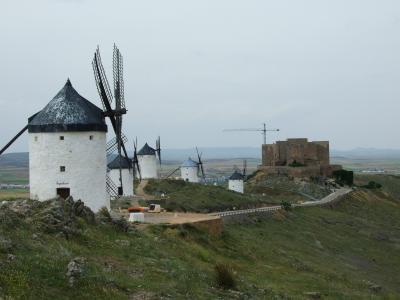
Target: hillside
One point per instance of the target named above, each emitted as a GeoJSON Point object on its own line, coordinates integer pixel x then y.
{"type": "Point", "coordinates": [190, 197]}
{"type": "Point", "coordinates": [390, 183]}
{"type": "Point", "coordinates": [349, 251]}
{"type": "Point", "coordinates": [261, 183]}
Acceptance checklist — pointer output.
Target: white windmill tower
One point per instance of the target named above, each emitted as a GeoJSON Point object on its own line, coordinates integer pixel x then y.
{"type": "Point", "coordinates": [67, 150]}
{"type": "Point", "coordinates": [126, 171]}
{"type": "Point", "coordinates": [190, 169]}
{"type": "Point", "coordinates": [149, 161]}
{"type": "Point", "coordinates": [236, 181]}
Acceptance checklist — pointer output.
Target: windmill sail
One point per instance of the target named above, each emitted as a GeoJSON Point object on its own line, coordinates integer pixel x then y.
{"type": "Point", "coordinates": [115, 115]}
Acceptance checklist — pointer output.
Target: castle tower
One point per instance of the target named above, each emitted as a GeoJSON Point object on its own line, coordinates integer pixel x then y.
{"type": "Point", "coordinates": [236, 182]}
{"type": "Point", "coordinates": [127, 174]}
{"type": "Point", "coordinates": [190, 171]}
{"type": "Point", "coordinates": [67, 150]}
{"type": "Point", "coordinates": [148, 162]}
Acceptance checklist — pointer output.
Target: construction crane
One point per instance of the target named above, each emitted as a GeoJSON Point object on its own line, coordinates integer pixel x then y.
{"type": "Point", "coordinates": [263, 131]}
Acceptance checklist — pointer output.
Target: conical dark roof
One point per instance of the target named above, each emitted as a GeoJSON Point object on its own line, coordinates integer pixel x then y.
{"type": "Point", "coordinates": [146, 150]}
{"type": "Point", "coordinates": [125, 164]}
{"type": "Point", "coordinates": [68, 111]}
{"type": "Point", "coordinates": [236, 176]}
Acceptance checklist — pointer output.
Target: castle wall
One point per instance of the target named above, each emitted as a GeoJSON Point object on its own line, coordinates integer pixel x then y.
{"type": "Point", "coordinates": [282, 153]}
{"type": "Point", "coordinates": [296, 149]}
{"type": "Point", "coordinates": [276, 158]}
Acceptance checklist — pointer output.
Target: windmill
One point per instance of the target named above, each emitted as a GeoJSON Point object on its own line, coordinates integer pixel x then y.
{"type": "Point", "coordinates": [200, 164]}
{"type": "Point", "coordinates": [263, 131]}
{"type": "Point", "coordinates": [115, 115]}
{"type": "Point", "coordinates": [237, 179]}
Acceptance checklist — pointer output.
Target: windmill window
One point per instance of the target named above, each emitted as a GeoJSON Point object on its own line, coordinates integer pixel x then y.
{"type": "Point", "coordinates": [61, 137]}
{"type": "Point", "coordinates": [62, 168]}
{"type": "Point", "coordinates": [36, 138]}
{"type": "Point", "coordinates": [91, 137]}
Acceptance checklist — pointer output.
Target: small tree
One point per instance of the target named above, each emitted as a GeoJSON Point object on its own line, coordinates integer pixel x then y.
{"type": "Point", "coordinates": [286, 205]}
{"type": "Point", "coordinates": [372, 185]}
{"type": "Point", "coordinates": [344, 177]}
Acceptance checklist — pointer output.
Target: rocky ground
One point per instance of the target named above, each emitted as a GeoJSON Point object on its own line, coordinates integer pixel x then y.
{"type": "Point", "coordinates": [262, 184]}
{"type": "Point", "coordinates": [59, 249]}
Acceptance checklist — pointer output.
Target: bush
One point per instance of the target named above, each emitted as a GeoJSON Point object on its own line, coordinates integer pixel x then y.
{"type": "Point", "coordinates": [296, 164]}
{"type": "Point", "coordinates": [225, 276]}
{"type": "Point", "coordinates": [104, 215]}
{"type": "Point", "coordinates": [344, 177]}
{"type": "Point", "coordinates": [252, 175]}
{"type": "Point", "coordinates": [372, 185]}
{"type": "Point", "coordinates": [286, 205]}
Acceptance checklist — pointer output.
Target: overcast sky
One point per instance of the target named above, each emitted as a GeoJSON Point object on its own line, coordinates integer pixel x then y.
{"type": "Point", "coordinates": [322, 69]}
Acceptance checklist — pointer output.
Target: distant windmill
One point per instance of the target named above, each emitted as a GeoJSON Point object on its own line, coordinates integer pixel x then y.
{"type": "Point", "coordinates": [263, 131]}
{"type": "Point", "coordinates": [191, 169]}
{"type": "Point", "coordinates": [237, 179]}
{"type": "Point", "coordinates": [115, 115]}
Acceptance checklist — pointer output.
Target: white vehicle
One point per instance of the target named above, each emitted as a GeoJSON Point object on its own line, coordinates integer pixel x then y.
{"type": "Point", "coordinates": [155, 208]}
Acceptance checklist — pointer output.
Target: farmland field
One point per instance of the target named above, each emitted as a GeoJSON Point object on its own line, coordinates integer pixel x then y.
{"type": "Point", "coordinates": [14, 175]}
{"type": "Point", "coordinates": [11, 194]}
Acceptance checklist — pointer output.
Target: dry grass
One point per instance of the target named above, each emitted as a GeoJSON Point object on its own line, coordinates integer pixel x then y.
{"type": "Point", "coordinates": [12, 194]}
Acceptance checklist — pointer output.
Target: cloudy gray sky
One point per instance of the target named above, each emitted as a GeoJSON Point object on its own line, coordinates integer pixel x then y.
{"type": "Point", "coordinates": [321, 69]}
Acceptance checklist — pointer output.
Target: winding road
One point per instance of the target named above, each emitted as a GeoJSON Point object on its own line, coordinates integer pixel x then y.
{"type": "Point", "coordinates": [331, 197]}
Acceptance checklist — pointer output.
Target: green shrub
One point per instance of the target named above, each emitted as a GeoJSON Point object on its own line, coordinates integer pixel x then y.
{"type": "Point", "coordinates": [286, 205]}
{"type": "Point", "coordinates": [225, 276]}
{"type": "Point", "coordinates": [104, 215]}
{"type": "Point", "coordinates": [252, 175]}
{"type": "Point", "coordinates": [372, 185]}
{"type": "Point", "coordinates": [296, 164]}
{"type": "Point", "coordinates": [344, 177]}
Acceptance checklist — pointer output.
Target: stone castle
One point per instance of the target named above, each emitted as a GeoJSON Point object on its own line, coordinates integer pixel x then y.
{"type": "Point", "coordinates": [298, 158]}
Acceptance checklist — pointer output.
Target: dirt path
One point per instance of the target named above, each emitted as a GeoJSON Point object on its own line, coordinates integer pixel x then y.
{"type": "Point", "coordinates": [140, 190]}
{"type": "Point", "coordinates": [181, 218]}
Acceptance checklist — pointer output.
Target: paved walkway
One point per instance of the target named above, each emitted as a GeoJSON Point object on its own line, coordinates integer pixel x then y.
{"type": "Point", "coordinates": [327, 199]}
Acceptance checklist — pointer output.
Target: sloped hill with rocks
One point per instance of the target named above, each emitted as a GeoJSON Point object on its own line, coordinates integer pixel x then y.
{"type": "Point", "coordinates": [61, 250]}
{"type": "Point", "coordinates": [261, 183]}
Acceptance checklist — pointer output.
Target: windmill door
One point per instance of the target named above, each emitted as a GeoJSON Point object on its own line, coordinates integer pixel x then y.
{"type": "Point", "coordinates": [63, 192]}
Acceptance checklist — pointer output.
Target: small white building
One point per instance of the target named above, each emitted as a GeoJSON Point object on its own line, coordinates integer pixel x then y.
{"type": "Point", "coordinates": [236, 182]}
{"type": "Point", "coordinates": [126, 174]}
{"type": "Point", "coordinates": [67, 150]}
{"type": "Point", "coordinates": [148, 162]}
{"type": "Point", "coordinates": [190, 171]}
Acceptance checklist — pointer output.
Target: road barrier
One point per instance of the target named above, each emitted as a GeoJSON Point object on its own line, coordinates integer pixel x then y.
{"type": "Point", "coordinates": [331, 197]}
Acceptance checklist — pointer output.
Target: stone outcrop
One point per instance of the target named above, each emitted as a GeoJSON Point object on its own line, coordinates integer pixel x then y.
{"type": "Point", "coordinates": [52, 216]}
{"type": "Point", "coordinates": [75, 270]}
